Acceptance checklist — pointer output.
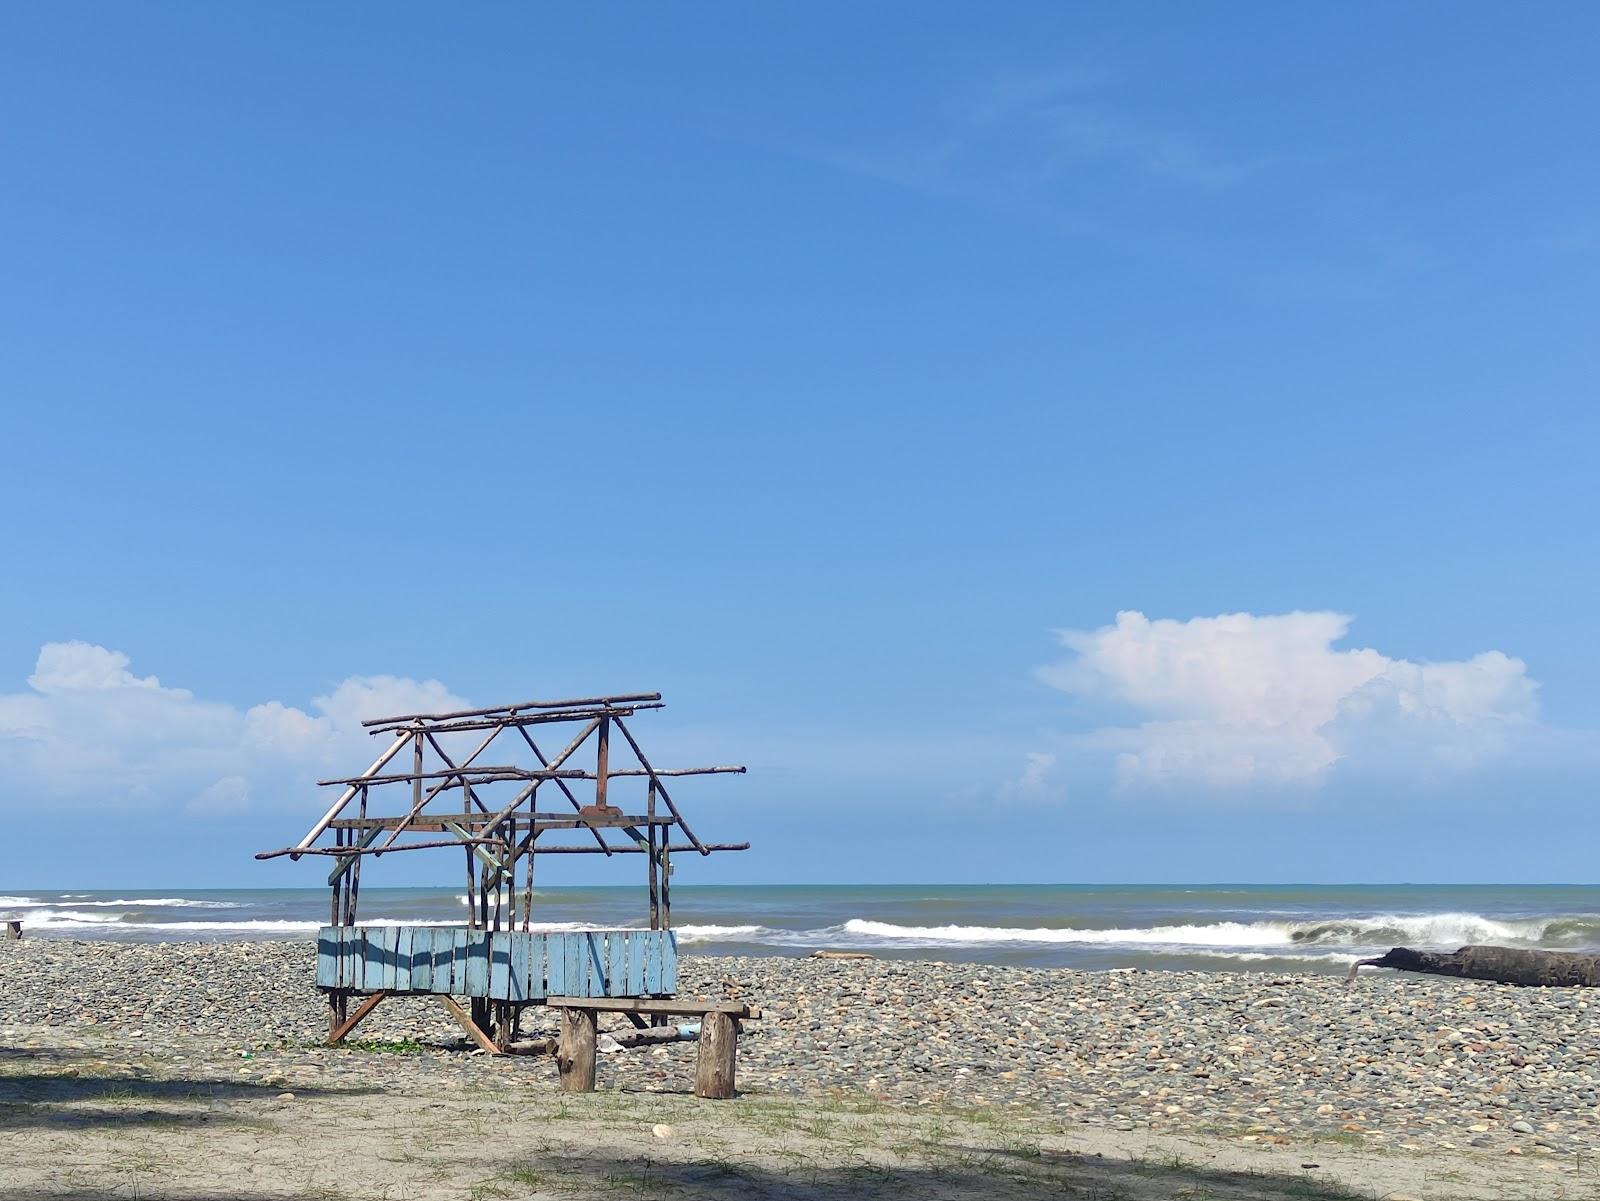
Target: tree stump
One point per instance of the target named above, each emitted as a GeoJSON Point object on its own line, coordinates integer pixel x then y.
{"type": "Point", "coordinates": [575, 1054]}
{"type": "Point", "coordinates": [713, 1069]}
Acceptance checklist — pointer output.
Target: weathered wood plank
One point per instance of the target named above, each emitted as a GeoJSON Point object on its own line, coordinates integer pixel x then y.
{"type": "Point", "coordinates": [616, 962]}
{"type": "Point", "coordinates": [328, 957]}
{"type": "Point", "coordinates": [389, 957]}
{"type": "Point", "coordinates": [556, 965]}
{"type": "Point", "coordinates": [422, 959]}
{"type": "Point", "coordinates": [500, 965]}
{"type": "Point", "coordinates": [669, 961]}
{"type": "Point", "coordinates": [538, 955]}
{"type": "Point", "coordinates": [404, 936]}
{"type": "Point", "coordinates": [637, 941]}
{"type": "Point", "coordinates": [519, 965]}
{"type": "Point", "coordinates": [594, 948]}
{"type": "Point", "coordinates": [477, 976]}
{"type": "Point", "coordinates": [575, 969]}
{"type": "Point", "coordinates": [349, 969]}
{"type": "Point", "coordinates": [652, 964]}
{"type": "Point", "coordinates": [458, 961]}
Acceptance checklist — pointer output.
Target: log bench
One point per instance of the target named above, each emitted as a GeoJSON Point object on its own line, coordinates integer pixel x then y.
{"type": "Point", "coordinates": [719, 1037]}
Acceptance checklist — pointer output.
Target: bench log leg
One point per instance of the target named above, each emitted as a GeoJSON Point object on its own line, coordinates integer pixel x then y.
{"type": "Point", "coordinates": [575, 1055]}
{"type": "Point", "coordinates": [719, 1045]}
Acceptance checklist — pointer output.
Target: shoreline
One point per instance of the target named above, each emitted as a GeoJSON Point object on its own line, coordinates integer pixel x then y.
{"type": "Point", "coordinates": [1492, 1079]}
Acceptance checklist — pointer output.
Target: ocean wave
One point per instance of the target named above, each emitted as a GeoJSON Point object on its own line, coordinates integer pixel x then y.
{"type": "Point", "coordinates": [1432, 929]}
{"type": "Point", "coordinates": [72, 919]}
{"type": "Point", "coordinates": [119, 903]}
{"type": "Point", "coordinates": [718, 933]}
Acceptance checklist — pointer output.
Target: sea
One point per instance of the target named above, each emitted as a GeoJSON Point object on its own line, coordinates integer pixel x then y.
{"type": "Point", "coordinates": [1269, 928]}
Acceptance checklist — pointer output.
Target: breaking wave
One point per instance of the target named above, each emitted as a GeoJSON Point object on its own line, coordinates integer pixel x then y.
{"type": "Point", "coordinates": [120, 903]}
{"type": "Point", "coordinates": [718, 933]}
{"type": "Point", "coordinates": [1430, 930]}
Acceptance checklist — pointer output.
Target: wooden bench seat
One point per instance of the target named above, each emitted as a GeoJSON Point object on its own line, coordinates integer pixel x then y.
{"type": "Point", "coordinates": [718, 1048]}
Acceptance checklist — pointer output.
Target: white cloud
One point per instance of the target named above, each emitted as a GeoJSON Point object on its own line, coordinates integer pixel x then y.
{"type": "Point", "coordinates": [1241, 699]}
{"type": "Point", "coordinates": [228, 796]}
{"type": "Point", "coordinates": [87, 730]}
{"type": "Point", "coordinates": [1035, 782]}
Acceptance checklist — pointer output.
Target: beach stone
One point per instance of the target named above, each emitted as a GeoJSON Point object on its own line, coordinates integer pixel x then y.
{"type": "Point", "coordinates": [1120, 1050]}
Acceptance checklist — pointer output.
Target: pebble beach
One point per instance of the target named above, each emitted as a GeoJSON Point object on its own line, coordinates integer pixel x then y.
{"type": "Point", "coordinates": [1407, 1062]}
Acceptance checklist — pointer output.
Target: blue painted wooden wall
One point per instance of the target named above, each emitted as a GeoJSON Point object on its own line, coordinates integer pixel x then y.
{"type": "Point", "coordinates": [503, 965]}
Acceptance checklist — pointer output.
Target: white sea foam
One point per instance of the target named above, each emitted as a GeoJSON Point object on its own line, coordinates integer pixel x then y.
{"type": "Point", "coordinates": [67, 917]}
{"type": "Point", "coordinates": [76, 919]}
{"type": "Point", "coordinates": [1432, 929]}
{"type": "Point", "coordinates": [120, 903]}
{"type": "Point", "coordinates": [718, 933]}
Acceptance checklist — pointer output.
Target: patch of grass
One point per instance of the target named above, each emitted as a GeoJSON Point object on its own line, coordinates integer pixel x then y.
{"type": "Point", "coordinates": [386, 1046]}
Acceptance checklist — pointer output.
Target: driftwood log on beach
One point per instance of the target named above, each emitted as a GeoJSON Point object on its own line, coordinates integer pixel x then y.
{"type": "Point", "coordinates": [1505, 965]}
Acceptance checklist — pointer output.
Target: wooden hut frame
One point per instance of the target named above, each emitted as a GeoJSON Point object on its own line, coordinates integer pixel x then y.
{"type": "Point", "coordinates": [492, 813]}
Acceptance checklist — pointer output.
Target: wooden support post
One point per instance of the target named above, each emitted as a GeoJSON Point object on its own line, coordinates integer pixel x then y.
{"type": "Point", "coordinates": [666, 886]}
{"type": "Point", "coordinates": [504, 1023]}
{"type": "Point", "coordinates": [650, 834]}
{"type": "Point", "coordinates": [575, 1056]}
{"type": "Point", "coordinates": [474, 1031]}
{"type": "Point", "coordinates": [342, 1031]}
{"type": "Point", "coordinates": [416, 771]}
{"type": "Point", "coordinates": [353, 882]}
{"type": "Point", "coordinates": [13, 931]}
{"type": "Point", "coordinates": [338, 1009]}
{"type": "Point", "coordinates": [527, 896]}
{"type": "Point", "coordinates": [714, 1066]}
{"type": "Point", "coordinates": [602, 763]}
{"type": "Point", "coordinates": [338, 883]}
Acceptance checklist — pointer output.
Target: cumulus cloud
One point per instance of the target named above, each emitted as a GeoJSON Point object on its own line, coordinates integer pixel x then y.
{"type": "Point", "coordinates": [1241, 699]}
{"type": "Point", "coordinates": [1035, 782]}
{"type": "Point", "coordinates": [88, 730]}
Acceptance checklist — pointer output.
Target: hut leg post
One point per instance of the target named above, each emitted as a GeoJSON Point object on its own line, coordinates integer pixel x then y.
{"type": "Point", "coordinates": [575, 1055]}
{"type": "Point", "coordinates": [338, 1010]}
{"type": "Point", "coordinates": [504, 1023]}
{"type": "Point", "coordinates": [714, 1066]}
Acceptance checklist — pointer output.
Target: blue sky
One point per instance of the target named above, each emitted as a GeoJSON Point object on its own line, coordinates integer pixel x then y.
{"type": "Point", "coordinates": [817, 366]}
